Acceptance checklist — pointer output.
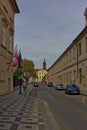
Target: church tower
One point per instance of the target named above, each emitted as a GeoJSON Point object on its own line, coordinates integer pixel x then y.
{"type": "Point", "coordinates": [44, 64]}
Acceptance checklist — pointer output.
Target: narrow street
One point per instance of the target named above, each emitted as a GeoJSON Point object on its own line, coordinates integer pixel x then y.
{"type": "Point", "coordinates": [70, 111]}
{"type": "Point", "coordinates": [43, 108]}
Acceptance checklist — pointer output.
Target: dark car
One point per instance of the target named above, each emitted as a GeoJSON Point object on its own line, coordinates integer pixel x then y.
{"type": "Point", "coordinates": [50, 84]}
{"type": "Point", "coordinates": [72, 89]}
{"type": "Point", "coordinates": [36, 84]}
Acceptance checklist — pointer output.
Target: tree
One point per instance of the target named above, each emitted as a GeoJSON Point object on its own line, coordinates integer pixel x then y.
{"type": "Point", "coordinates": [17, 73]}
{"type": "Point", "coordinates": [28, 66]}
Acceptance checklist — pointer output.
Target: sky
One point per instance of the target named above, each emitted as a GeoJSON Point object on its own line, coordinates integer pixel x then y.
{"type": "Point", "coordinates": [45, 28]}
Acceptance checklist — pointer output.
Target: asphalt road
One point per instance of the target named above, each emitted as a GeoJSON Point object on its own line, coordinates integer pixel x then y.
{"type": "Point", "coordinates": [70, 111]}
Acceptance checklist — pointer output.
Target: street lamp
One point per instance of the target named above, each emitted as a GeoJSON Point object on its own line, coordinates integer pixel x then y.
{"type": "Point", "coordinates": [26, 75]}
{"type": "Point", "coordinates": [20, 83]}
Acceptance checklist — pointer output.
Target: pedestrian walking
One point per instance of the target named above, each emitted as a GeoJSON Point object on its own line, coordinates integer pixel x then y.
{"type": "Point", "coordinates": [24, 86]}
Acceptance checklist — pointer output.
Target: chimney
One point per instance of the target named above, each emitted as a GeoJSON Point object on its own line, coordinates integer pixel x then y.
{"type": "Point", "coordinates": [85, 14]}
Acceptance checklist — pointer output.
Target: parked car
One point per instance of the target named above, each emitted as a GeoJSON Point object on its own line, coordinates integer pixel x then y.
{"type": "Point", "coordinates": [36, 84]}
{"type": "Point", "coordinates": [50, 84]}
{"type": "Point", "coordinates": [72, 89]}
{"type": "Point", "coordinates": [59, 86]}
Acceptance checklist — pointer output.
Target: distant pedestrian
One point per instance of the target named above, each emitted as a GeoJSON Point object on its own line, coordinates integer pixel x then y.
{"type": "Point", "coordinates": [24, 86]}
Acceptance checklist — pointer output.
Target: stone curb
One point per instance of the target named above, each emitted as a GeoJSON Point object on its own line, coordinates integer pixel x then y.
{"type": "Point", "coordinates": [51, 121]}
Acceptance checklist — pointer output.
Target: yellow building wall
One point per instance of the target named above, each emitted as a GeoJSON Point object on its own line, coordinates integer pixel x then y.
{"type": "Point", "coordinates": [70, 66]}
{"type": "Point", "coordinates": [7, 12]}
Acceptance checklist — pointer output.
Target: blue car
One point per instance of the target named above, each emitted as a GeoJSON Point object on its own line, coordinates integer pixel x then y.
{"type": "Point", "coordinates": [72, 89]}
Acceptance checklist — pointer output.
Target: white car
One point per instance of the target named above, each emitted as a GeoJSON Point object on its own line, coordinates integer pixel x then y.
{"type": "Point", "coordinates": [59, 86]}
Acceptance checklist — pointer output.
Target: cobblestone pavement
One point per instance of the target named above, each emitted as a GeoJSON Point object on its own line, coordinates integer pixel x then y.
{"type": "Point", "coordinates": [24, 112]}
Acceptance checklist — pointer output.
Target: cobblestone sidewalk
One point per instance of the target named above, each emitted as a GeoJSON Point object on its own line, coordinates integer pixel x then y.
{"type": "Point", "coordinates": [24, 112]}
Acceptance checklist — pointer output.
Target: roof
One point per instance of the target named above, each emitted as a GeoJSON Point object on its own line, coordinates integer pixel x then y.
{"type": "Point", "coordinates": [85, 13]}
{"type": "Point", "coordinates": [14, 3]}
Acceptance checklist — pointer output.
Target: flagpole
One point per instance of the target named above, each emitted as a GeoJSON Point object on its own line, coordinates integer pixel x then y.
{"type": "Point", "coordinates": [20, 85]}
{"type": "Point", "coordinates": [19, 67]}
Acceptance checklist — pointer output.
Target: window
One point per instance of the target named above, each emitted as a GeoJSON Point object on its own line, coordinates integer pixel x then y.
{"type": "Point", "coordinates": [74, 76]}
{"type": "Point", "coordinates": [80, 75]}
{"type": "Point", "coordinates": [4, 35]}
{"type": "Point", "coordinates": [67, 59]}
{"type": "Point", "coordinates": [86, 74]}
{"type": "Point", "coordinates": [67, 77]}
{"type": "Point", "coordinates": [86, 44]}
{"type": "Point", "coordinates": [10, 43]}
{"type": "Point", "coordinates": [2, 76]}
{"type": "Point", "coordinates": [74, 53]}
{"type": "Point", "coordinates": [70, 57]}
{"type": "Point", "coordinates": [10, 40]}
{"type": "Point", "coordinates": [64, 77]}
{"type": "Point", "coordinates": [70, 77]}
{"type": "Point", "coordinates": [79, 49]}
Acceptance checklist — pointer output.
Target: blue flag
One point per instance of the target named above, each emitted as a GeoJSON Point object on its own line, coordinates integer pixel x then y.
{"type": "Point", "coordinates": [19, 60]}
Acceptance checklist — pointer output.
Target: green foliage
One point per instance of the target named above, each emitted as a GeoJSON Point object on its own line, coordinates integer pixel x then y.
{"type": "Point", "coordinates": [17, 73]}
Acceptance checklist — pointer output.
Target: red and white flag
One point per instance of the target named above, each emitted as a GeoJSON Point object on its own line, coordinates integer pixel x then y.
{"type": "Point", "coordinates": [15, 57]}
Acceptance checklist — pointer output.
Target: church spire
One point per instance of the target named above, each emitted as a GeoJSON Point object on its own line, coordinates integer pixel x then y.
{"type": "Point", "coordinates": [44, 64]}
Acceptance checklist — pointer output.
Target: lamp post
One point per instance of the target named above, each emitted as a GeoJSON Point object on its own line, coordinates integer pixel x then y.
{"type": "Point", "coordinates": [20, 83]}
{"type": "Point", "coordinates": [26, 74]}
{"type": "Point", "coordinates": [20, 77]}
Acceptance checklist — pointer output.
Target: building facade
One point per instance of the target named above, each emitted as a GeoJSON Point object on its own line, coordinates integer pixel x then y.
{"type": "Point", "coordinates": [71, 66]}
{"type": "Point", "coordinates": [8, 8]}
{"type": "Point", "coordinates": [41, 75]}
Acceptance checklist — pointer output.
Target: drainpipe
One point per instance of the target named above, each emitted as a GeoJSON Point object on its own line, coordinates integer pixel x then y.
{"type": "Point", "coordinates": [77, 60]}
